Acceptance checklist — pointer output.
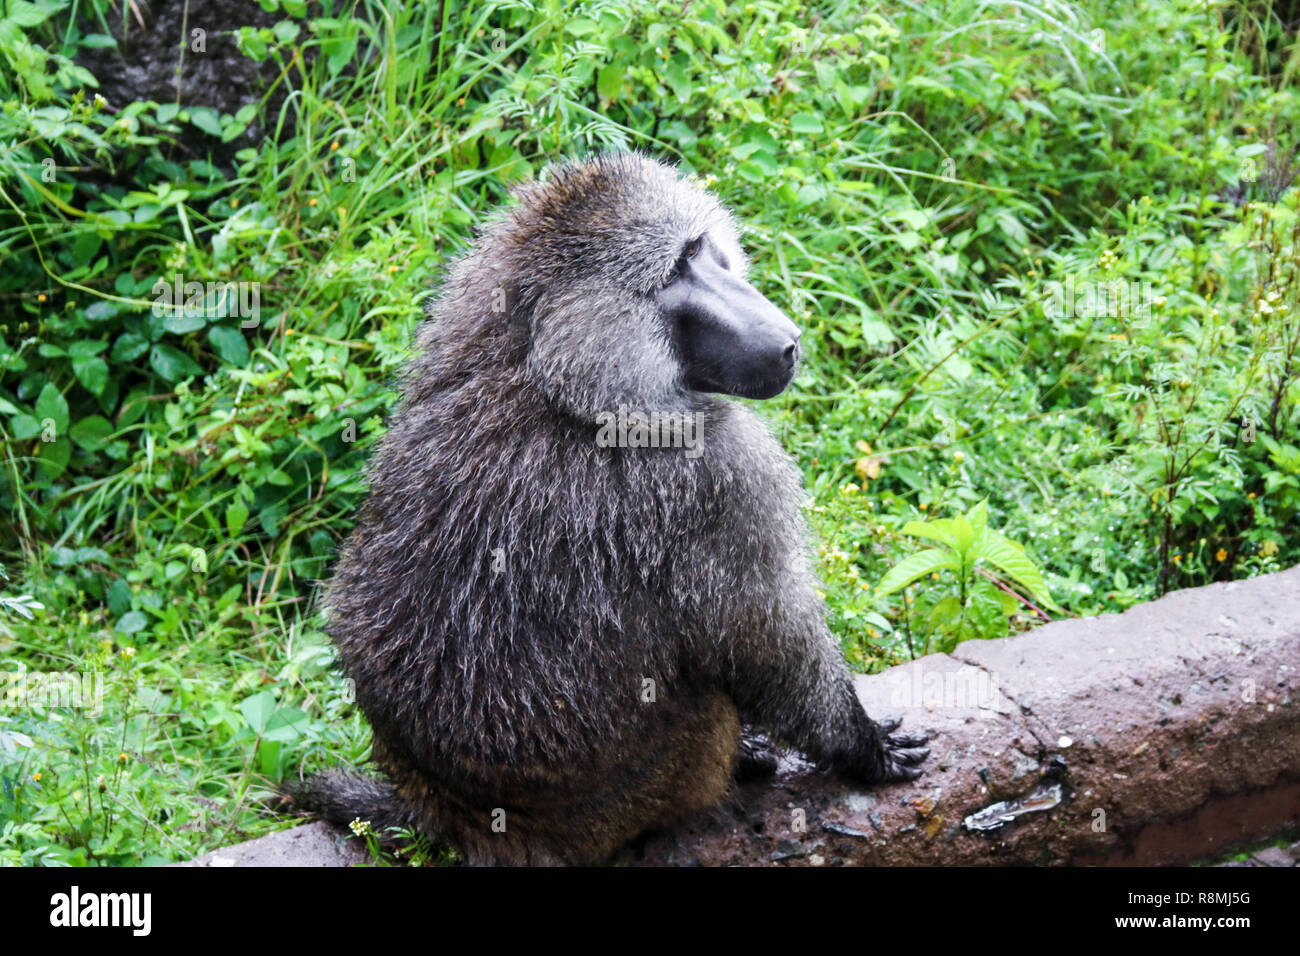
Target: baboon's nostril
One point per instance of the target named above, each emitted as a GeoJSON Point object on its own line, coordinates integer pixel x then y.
{"type": "Point", "coordinates": [791, 352]}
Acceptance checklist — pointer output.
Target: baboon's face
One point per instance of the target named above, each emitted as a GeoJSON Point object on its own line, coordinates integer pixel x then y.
{"type": "Point", "coordinates": [728, 336]}
{"type": "Point", "coordinates": [632, 281]}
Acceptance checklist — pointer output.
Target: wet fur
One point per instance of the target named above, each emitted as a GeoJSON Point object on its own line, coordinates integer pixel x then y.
{"type": "Point", "coordinates": [520, 688]}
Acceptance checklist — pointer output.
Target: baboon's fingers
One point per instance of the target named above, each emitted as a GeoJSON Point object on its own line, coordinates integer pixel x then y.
{"type": "Point", "coordinates": [906, 741]}
{"type": "Point", "coordinates": [888, 725]}
{"type": "Point", "coordinates": [899, 773]}
{"type": "Point", "coordinates": [909, 757]}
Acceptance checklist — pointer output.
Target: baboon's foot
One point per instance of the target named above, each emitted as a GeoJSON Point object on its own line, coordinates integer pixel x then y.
{"type": "Point", "coordinates": [758, 757]}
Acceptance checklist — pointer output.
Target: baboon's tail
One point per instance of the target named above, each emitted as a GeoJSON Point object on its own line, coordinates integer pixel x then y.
{"type": "Point", "coordinates": [340, 797]}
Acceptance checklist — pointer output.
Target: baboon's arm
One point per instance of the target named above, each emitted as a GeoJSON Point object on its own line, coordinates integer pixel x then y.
{"type": "Point", "coordinates": [790, 680]}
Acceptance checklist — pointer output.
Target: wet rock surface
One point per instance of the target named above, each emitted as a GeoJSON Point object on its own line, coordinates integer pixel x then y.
{"type": "Point", "coordinates": [1159, 736]}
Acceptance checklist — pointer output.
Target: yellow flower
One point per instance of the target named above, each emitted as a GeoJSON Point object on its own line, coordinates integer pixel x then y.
{"type": "Point", "coordinates": [1178, 559]}
{"type": "Point", "coordinates": [311, 202]}
{"type": "Point", "coordinates": [1221, 554]}
{"type": "Point", "coordinates": [41, 297]}
{"type": "Point", "coordinates": [868, 467]}
{"type": "Point", "coordinates": [37, 776]}
{"type": "Point", "coordinates": [1251, 495]}
{"type": "Point", "coordinates": [122, 758]}
{"type": "Point", "coordinates": [334, 145]}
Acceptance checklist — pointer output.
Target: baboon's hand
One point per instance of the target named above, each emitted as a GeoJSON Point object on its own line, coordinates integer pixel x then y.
{"type": "Point", "coordinates": [889, 756]}
{"type": "Point", "coordinates": [903, 753]}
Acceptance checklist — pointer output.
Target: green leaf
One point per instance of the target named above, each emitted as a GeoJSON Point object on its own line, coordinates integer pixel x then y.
{"type": "Point", "coordinates": [101, 310]}
{"type": "Point", "coordinates": [230, 344]}
{"type": "Point", "coordinates": [51, 404]}
{"type": "Point", "coordinates": [119, 597]}
{"type": "Point", "coordinates": [286, 31]}
{"type": "Point", "coordinates": [184, 320]}
{"type": "Point", "coordinates": [908, 239]}
{"type": "Point", "coordinates": [24, 426]}
{"type": "Point", "coordinates": [286, 725]}
{"type": "Point", "coordinates": [171, 363]}
{"type": "Point", "coordinates": [53, 457]}
{"type": "Point", "coordinates": [236, 515]}
{"type": "Point", "coordinates": [917, 565]}
{"type": "Point", "coordinates": [806, 123]}
{"type": "Point", "coordinates": [609, 81]}
{"type": "Point", "coordinates": [92, 373]}
{"type": "Point", "coordinates": [90, 432]}
{"type": "Point", "coordinates": [963, 533]}
{"type": "Point", "coordinates": [206, 118]}
{"type": "Point", "coordinates": [26, 14]}
{"type": "Point", "coordinates": [940, 529]}
{"type": "Point", "coordinates": [128, 347]}
{"type": "Point", "coordinates": [269, 757]}
{"type": "Point", "coordinates": [132, 622]}
{"type": "Point", "coordinates": [86, 348]}
{"type": "Point", "coordinates": [1001, 552]}
{"type": "Point", "coordinates": [580, 26]}
{"type": "Point", "coordinates": [916, 218]}
{"type": "Point", "coordinates": [257, 710]}
{"type": "Point", "coordinates": [946, 613]}
{"type": "Point", "coordinates": [675, 75]}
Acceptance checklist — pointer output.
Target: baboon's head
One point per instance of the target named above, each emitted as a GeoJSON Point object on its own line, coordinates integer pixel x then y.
{"type": "Point", "coordinates": [632, 281]}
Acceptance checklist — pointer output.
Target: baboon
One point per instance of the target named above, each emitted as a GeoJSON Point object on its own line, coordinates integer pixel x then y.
{"type": "Point", "coordinates": [556, 632]}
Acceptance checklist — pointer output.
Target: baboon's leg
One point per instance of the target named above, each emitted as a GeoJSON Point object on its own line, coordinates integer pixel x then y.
{"type": "Point", "coordinates": [564, 815]}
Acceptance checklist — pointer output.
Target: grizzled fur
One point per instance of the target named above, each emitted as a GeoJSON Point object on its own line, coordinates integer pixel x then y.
{"type": "Point", "coordinates": [512, 588]}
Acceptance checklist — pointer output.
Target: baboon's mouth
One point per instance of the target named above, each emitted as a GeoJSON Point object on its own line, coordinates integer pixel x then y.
{"type": "Point", "coordinates": [761, 389]}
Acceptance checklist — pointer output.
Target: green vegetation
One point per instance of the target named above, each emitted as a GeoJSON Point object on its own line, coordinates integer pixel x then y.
{"type": "Point", "coordinates": [1045, 255]}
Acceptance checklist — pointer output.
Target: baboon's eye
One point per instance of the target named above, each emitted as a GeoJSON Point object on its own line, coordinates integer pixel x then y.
{"type": "Point", "coordinates": [692, 249]}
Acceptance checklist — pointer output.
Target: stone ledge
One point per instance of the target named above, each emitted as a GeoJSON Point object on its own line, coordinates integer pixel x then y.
{"type": "Point", "coordinates": [312, 844]}
{"type": "Point", "coordinates": [1158, 736]}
